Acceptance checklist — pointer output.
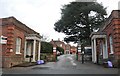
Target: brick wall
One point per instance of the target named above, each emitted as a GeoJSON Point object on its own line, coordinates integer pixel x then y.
{"type": "Point", "coordinates": [117, 39]}
{"type": "Point", "coordinates": [11, 58]}
{"type": "Point", "coordinates": [112, 28]}
{"type": "Point", "coordinates": [12, 28]}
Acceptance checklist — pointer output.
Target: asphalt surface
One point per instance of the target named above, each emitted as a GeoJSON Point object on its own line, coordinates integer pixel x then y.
{"type": "Point", "coordinates": [66, 64]}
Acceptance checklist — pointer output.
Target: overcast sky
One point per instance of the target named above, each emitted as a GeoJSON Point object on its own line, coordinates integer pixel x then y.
{"type": "Point", "coordinates": [40, 15]}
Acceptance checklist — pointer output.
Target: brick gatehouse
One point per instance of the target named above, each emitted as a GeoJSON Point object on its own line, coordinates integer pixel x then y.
{"type": "Point", "coordinates": [18, 42]}
{"type": "Point", "coordinates": [106, 42]}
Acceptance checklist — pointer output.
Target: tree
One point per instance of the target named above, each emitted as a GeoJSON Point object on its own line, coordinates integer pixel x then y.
{"type": "Point", "coordinates": [46, 47]}
{"type": "Point", "coordinates": [45, 38]}
{"type": "Point", "coordinates": [79, 19]}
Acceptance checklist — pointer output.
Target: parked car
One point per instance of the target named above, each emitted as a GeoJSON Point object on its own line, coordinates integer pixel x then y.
{"type": "Point", "coordinates": [88, 53]}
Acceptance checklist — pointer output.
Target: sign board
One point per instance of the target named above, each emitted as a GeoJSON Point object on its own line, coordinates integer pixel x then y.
{"type": "Point", "coordinates": [3, 40]}
{"type": "Point", "coordinates": [79, 50]}
{"type": "Point", "coordinates": [54, 49]}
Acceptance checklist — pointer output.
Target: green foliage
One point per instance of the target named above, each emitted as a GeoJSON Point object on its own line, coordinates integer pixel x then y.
{"type": "Point", "coordinates": [46, 47]}
{"type": "Point", "coordinates": [78, 19]}
{"type": "Point", "coordinates": [60, 49]}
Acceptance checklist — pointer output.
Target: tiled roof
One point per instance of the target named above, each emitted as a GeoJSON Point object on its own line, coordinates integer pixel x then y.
{"type": "Point", "coordinates": [14, 21]}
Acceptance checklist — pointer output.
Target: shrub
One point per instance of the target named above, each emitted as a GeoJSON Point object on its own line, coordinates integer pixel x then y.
{"type": "Point", "coordinates": [46, 47]}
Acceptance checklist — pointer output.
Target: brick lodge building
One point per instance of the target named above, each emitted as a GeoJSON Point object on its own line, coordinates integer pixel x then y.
{"type": "Point", "coordinates": [19, 43]}
{"type": "Point", "coordinates": [106, 42]}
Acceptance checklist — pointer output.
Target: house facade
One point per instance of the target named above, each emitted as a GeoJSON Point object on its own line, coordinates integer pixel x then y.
{"type": "Point", "coordinates": [73, 50]}
{"type": "Point", "coordinates": [58, 43]}
{"type": "Point", "coordinates": [106, 42]}
{"type": "Point", "coordinates": [19, 43]}
{"type": "Point", "coordinates": [68, 49]}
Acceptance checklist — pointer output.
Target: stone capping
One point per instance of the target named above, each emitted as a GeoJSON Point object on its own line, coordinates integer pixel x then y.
{"type": "Point", "coordinates": [33, 35]}
{"type": "Point", "coordinates": [97, 33]}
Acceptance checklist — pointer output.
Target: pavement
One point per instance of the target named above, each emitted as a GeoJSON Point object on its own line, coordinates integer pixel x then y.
{"type": "Point", "coordinates": [26, 64]}
{"type": "Point", "coordinates": [66, 64]}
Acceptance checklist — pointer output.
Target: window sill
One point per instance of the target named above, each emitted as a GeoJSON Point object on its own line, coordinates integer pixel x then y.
{"type": "Point", "coordinates": [18, 53]}
{"type": "Point", "coordinates": [111, 53]}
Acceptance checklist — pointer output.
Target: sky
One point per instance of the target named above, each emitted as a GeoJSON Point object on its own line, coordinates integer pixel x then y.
{"type": "Point", "coordinates": [40, 15]}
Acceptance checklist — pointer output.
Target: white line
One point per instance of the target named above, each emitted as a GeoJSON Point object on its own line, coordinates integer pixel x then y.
{"type": "Point", "coordinates": [70, 58]}
{"type": "Point", "coordinates": [74, 64]}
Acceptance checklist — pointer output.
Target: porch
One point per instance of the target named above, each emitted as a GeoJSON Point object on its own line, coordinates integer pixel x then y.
{"type": "Point", "coordinates": [99, 47]}
{"type": "Point", "coordinates": [32, 47]}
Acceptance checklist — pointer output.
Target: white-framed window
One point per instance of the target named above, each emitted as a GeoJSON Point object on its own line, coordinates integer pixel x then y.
{"type": "Point", "coordinates": [60, 45]}
{"type": "Point", "coordinates": [111, 44]}
{"type": "Point", "coordinates": [18, 45]}
{"type": "Point", "coordinates": [101, 48]}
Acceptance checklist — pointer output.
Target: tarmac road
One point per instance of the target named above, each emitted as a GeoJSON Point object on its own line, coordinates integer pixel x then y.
{"type": "Point", "coordinates": [66, 65]}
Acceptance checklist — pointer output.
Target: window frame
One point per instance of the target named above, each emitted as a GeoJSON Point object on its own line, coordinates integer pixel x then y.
{"type": "Point", "coordinates": [18, 45]}
{"type": "Point", "coordinates": [111, 44]}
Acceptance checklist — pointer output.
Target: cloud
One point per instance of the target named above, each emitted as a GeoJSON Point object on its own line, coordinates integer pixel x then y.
{"type": "Point", "coordinates": [40, 15]}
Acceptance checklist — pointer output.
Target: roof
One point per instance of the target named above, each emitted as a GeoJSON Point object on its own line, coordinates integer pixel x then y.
{"type": "Point", "coordinates": [14, 21]}
{"type": "Point", "coordinates": [97, 33]}
{"type": "Point", "coordinates": [115, 14]}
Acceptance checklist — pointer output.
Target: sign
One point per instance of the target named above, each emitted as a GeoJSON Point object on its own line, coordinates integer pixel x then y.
{"type": "Point", "coordinates": [54, 49]}
{"type": "Point", "coordinates": [79, 48]}
{"type": "Point", "coordinates": [3, 40]}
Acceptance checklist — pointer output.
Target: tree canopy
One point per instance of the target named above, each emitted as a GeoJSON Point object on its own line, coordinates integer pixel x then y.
{"type": "Point", "coordinates": [46, 47]}
{"type": "Point", "coordinates": [79, 19]}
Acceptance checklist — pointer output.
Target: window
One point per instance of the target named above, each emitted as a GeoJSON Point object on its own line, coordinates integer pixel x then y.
{"type": "Point", "coordinates": [18, 45]}
{"type": "Point", "coordinates": [101, 48]}
{"type": "Point", "coordinates": [60, 45]}
{"type": "Point", "coordinates": [111, 44]}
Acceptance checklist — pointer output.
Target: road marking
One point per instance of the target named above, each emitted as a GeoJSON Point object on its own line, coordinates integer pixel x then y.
{"type": "Point", "coordinates": [70, 58]}
{"type": "Point", "coordinates": [74, 64]}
